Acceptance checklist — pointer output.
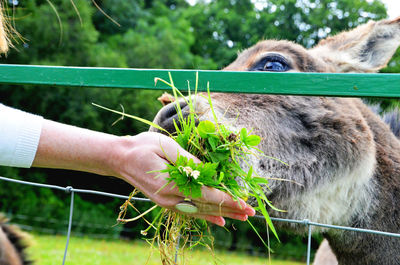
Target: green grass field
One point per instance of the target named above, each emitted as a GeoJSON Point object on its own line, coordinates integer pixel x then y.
{"type": "Point", "coordinates": [49, 250]}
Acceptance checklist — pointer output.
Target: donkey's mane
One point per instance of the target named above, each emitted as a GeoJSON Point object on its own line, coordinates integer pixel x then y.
{"type": "Point", "coordinates": [391, 118]}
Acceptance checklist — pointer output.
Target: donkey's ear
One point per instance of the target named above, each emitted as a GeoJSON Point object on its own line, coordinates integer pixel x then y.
{"type": "Point", "coordinates": [366, 48]}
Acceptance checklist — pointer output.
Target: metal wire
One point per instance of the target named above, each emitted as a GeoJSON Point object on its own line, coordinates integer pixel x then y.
{"type": "Point", "coordinates": [177, 249]}
{"type": "Point", "coordinates": [71, 212]}
{"type": "Point", "coordinates": [66, 189]}
{"type": "Point", "coordinates": [309, 243]}
{"type": "Point", "coordinates": [305, 222]}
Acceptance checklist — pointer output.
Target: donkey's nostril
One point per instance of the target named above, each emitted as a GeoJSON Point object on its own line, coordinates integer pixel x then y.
{"type": "Point", "coordinates": [171, 110]}
{"type": "Point", "coordinates": [169, 114]}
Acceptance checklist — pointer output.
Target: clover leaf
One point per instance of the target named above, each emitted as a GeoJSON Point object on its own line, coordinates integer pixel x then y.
{"type": "Point", "coordinates": [205, 128]}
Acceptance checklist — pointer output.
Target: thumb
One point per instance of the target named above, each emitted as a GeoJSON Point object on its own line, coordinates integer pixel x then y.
{"type": "Point", "coordinates": [170, 150]}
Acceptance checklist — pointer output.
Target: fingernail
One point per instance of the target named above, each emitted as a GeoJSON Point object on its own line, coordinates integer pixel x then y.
{"type": "Point", "coordinates": [250, 211]}
{"type": "Point", "coordinates": [240, 217]}
{"type": "Point", "coordinates": [222, 223]}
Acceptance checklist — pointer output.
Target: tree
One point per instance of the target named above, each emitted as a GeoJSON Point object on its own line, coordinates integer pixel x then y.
{"type": "Point", "coordinates": [153, 34]}
{"type": "Point", "coordinates": [51, 42]}
{"type": "Point", "coordinates": [122, 15]}
{"type": "Point", "coordinates": [236, 25]}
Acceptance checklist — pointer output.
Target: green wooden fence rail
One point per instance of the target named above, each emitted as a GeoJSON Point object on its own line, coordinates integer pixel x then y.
{"type": "Point", "coordinates": [315, 84]}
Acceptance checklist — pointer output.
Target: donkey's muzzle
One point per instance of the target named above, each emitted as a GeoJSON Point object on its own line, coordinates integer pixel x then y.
{"type": "Point", "coordinates": [168, 116]}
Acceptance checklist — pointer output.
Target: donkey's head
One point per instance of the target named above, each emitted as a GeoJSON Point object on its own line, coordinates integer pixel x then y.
{"type": "Point", "coordinates": [327, 142]}
{"type": "Point", "coordinates": [367, 48]}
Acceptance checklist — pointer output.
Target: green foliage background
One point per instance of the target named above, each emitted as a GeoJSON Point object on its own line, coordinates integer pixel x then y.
{"type": "Point", "coordinates": [152, 34]}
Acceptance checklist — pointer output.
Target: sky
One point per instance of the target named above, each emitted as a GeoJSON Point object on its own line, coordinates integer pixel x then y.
{"type": "Point", "coordinates": [393, 7]}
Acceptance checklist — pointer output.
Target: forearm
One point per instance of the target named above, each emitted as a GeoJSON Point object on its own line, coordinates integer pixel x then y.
{"type": "Point", "coordinates": [133, 159]}
{"type": "Point", "coordinates": [68, 147]}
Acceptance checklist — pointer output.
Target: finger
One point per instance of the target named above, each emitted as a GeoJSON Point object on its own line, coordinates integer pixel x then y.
{"type": "Point", "coordinates": [240, 217]}
{"type": "Point", "coordinates": [213, 209]}
{"type": "Point", "coordinates": [218, 202]}
{"type": "Point", "coordinates": [250, 210]}
{"type": "Point", "coordinates": [236, 216]}
{"type": "Point", "coordinates": [219, 209]}
{"type": "Point", "coordinates": [224, 200]}
{"type": "Point", "coordinates": [218, 220]}
{"type": "Point", "coordinates": [213, 201]}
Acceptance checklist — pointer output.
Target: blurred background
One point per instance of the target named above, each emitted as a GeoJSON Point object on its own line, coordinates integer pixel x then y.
{"type": "Point", "coordinates": [145, 34]}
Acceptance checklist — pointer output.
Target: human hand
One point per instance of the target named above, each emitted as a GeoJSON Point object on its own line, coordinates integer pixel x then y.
{"type": "Point", "coordinates": [131, 158]}
{"type": "Point", "coordinates": [135, 156]}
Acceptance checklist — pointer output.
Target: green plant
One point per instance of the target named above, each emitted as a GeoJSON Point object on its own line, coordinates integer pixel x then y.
{"type": "Point", "coordinates": [222, 152]}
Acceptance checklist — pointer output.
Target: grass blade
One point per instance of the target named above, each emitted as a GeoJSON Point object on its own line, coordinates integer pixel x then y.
{"type": "Point", "coordinates": [133, 117]}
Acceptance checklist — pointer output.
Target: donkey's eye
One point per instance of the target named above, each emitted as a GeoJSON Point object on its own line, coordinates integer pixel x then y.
{"type": "Point", "coordinates": [275, 66]}
{"type": "Point", "coordinates": [272, 63]}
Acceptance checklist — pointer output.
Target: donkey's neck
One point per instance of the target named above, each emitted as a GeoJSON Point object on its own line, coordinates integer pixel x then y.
{"type": "Point", "coordinates": [353, 248]}
{"type": "Point", "coordinates": [362, 248]}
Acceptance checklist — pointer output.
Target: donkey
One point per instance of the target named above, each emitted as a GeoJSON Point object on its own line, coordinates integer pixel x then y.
{"type": "Point", "coordinates": [12, 244]}
{"type": "Point", "coordinates": [344, 161]}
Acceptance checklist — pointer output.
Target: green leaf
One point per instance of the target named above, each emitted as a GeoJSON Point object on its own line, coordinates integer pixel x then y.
{"type": "Point", "coordinates": [181, 161]}
{"type": "Point", "coordinates": [195, 190]}
{"type": "Point", "coordinates": [243, 134]}
{"type": "Point", "coordinates": [259, 236]}
{"type": "Point", "coordinates": [217, 157]}
{"type": "Point", "coordinates": [249, 174]}
{"type": "Point", "coordinates": [260, 180]}
{"type": "Point", "coordinates": [221, 176]}
{"type": "Point", "coordinates": [179, 179]}
{"type": "Point", "coordinates": [252, 140]}
{"type": "Point", "coordinates": [133, 117]}
{"type": "Point", "coordinates": [182, 141]}
{"type": "Point", "coordinates": [213, 143]}
{"type": "Point", "coordinates": [208, 170]}
{"type": "Point", "coordinates": [268, 220]}
{"type": "Point", "coordinates": [205, 128]}
{"type": "Point", "coordinates": [191, 164]}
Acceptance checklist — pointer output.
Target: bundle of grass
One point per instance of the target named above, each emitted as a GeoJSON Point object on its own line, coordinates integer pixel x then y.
{"type": "Point", "coordinates": [222, 152]}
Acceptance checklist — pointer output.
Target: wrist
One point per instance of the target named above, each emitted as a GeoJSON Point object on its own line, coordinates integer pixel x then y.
{"type": "Point", "coordinates": [132, 157]}
{"type": "Point", "coordinates": [116, 158]}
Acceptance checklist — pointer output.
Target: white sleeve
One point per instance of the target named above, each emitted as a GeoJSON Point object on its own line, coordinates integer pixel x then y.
{"type": "Point", "coordinates": [19, 137]}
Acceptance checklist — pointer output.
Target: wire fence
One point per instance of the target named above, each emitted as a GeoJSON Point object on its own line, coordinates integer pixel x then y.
{"type": "Point", "coordinates": [309, 224]}
{"type": "Point", "coordinates": [52, 226]}
{"type": "Point", "coordinates": [353, 85]}
{"type": "Point", "coordinates": [106, 231]}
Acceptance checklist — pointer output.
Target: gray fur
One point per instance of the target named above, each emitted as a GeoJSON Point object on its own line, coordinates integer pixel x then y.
{"type": "Point", "coordinates": [344, 160]}
{"type": "Point", "coordinates": [12, 244]}
{"type": "Point", "coordinates": [391, 118]}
